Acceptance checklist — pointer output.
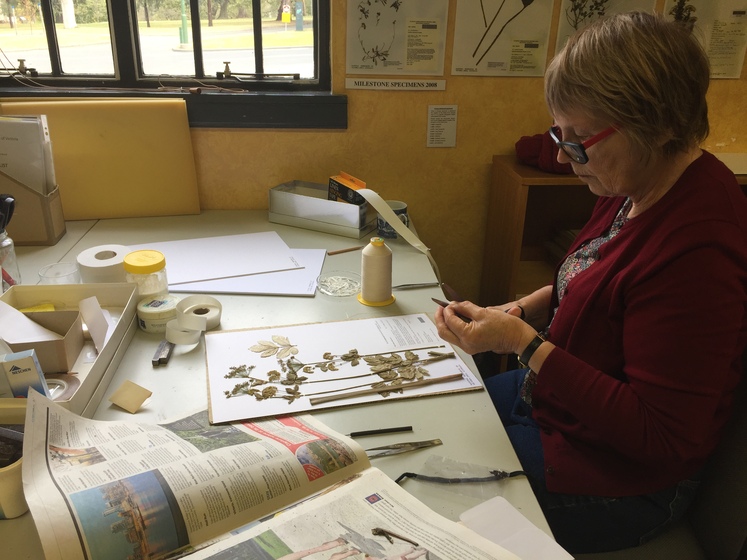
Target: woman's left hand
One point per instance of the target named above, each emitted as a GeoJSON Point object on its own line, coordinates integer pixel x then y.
{"type": "Point", "coordinates": [489, 329]}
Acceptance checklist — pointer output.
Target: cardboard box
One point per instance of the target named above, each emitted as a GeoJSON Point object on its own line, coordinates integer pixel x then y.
{"type": "Point", "coordinates": [342, 188]}
{"type": "Point", "coordinates": [306, 205]}
{"type": "Point", "coordinates": [92, 376]}
{"type": "Point", "coordinates": [56, 356]}
{"type": "Point", "coordinates": [21, 371]}
{"type": "Point", "coordinates": [37, 219]}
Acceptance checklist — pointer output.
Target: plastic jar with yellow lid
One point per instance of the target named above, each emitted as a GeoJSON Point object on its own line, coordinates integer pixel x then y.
{"type": "Point", "coordinates": [147, 269]}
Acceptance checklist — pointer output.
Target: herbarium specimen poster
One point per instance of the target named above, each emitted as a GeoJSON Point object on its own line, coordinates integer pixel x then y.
{"type": "Point", "coordinates": [397, 37]}
{"type": "Point", "coordinates": [721, 26]}
{"type": "Point", "coordinates": [577, 14]}
{"type": "Point", "coordinates": [286, 370]}
{"type": "Point", "coordinates": [501, 37]}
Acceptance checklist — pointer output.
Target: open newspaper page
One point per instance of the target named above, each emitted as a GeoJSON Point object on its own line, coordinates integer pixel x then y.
{"type": "Point", "coordinates": [370, 517]}
{"type": "Point", "coordinates": [109, 490]}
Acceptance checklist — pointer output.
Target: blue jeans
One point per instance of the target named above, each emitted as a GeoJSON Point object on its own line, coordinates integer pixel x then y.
{"type": "Point", "coordinates": [580, 523]}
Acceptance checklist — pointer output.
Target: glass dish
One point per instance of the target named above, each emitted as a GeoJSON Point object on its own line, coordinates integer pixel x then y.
{"type": "Point", "coordinates": [339, 283]}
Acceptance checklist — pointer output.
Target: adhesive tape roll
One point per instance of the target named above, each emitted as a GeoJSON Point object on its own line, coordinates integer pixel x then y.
{"type": "Point", "coordinates": [194, 314]}
{"type": "Point", "coordinates": [176, 334]}
{"type": "Point", "coordinates": [62, 386]}
{"type": "Point", "coordinates": [199, 312]}
{"type": "Point", "coordinates": [104, 263]}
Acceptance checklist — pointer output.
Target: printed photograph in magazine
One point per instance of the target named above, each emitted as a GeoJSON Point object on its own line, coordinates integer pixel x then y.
{"type": "Point", "coordinates": [109, 490]}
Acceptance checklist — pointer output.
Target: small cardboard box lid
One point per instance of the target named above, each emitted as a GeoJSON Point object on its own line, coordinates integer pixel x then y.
{"type": "Point", "coordinates": [56, 356]}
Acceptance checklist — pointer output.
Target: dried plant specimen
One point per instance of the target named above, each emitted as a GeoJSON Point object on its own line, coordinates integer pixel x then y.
{"type": "Point", "coordinates": [391, 370]}
{"type": "Point", "coordinates": [580, 11]}
{"type": "Point", "coordinates": [377, 28]}
{"type": "Point", "coordinates": [524, 5]}
{"type": "Point", "coordinates": [683, 12]}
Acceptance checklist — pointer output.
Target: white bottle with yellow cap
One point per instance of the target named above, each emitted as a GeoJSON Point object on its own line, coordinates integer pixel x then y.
{"type": "Point", "coordinates": [147, 269]}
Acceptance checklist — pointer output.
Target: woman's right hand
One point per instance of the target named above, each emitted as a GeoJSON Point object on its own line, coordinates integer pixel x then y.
{"type": "Point", "coordinates": [489, 329]}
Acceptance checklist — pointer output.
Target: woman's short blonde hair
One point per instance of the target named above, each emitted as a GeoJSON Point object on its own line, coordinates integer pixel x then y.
{"type": "Point", "coordinates": [638, 71]}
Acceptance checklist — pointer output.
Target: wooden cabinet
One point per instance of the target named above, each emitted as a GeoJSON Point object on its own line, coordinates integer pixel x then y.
{"type": "Point", "coordinates": [526, 209]}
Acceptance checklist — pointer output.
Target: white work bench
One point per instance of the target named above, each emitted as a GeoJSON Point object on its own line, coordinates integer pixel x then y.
{"type": "Point", "coordinates": [466, 422]}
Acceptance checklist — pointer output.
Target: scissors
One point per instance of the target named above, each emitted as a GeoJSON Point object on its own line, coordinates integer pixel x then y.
{"type": "Point", "coordinates": [397, 448]}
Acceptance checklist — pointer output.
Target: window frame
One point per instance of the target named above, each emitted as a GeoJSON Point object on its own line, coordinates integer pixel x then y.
{"type": "Point", "coordinates": [267, 103]}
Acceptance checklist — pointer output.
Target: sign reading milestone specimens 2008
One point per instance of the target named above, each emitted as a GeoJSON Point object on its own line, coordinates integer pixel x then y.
{"type": "Point", "coordinates": [392, 85]}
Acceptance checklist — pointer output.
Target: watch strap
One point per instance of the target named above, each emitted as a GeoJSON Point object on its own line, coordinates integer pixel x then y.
{"type": "Point", "coordinates": [528, 352]}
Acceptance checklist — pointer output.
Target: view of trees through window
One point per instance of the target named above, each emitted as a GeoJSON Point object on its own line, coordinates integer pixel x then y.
{"type": "Point", "coordinates": [164, 34]}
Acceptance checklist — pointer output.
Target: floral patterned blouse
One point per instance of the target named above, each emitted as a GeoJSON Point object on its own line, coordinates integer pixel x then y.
{"type": "Point", "coordinates": [577, 262]}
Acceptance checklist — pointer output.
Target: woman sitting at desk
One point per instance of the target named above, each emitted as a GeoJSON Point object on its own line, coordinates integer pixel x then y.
{"type": "Point", "coordinates": [633, 354]}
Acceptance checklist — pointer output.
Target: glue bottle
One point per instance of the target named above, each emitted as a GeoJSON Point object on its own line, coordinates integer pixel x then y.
{"type": "Point", "coordinates": [376, 274]}
{"type": "Point", "coordinates": [11, 275]}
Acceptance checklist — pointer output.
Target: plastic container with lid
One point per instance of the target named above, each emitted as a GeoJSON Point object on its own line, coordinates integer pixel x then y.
{"type": "Point", "coordinates": [147, 269]}
{"type": "Point", "coordinates": [153, 313]}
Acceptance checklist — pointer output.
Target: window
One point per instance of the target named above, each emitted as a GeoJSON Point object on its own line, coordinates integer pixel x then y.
{"type": "Point", "coordinates": [237, 63]}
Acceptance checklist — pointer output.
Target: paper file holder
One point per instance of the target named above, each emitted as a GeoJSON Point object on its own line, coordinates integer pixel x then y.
{"type": "Point", "coordinates": [37, 219]}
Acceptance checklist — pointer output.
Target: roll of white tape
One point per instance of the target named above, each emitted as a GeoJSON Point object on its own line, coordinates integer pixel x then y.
{"type": "Point", "coordinates": [194, 314]}
{"type": "Point", "coordinates": [176, 334]}
{"type": "Point", "coordinates": [104, 263]}
{"type": "Point", "coordinates": [199, 312]}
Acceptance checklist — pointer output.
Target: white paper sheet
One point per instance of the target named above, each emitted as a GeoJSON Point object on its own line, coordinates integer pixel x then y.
{"type": "Point", "coordinates": [95, 320]}
{"type": "Point", "coordinates": [296, 282]}
{"type": "Point", "coordinates": [208, 258]}
{"type": "Point", "coordinates": [498, 521]}
{"type": "Point", "coordinates": [16, 328]}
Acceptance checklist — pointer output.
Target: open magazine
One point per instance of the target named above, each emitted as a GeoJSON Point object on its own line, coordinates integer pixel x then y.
{"type": "Point", "coordinates": [101, 490]}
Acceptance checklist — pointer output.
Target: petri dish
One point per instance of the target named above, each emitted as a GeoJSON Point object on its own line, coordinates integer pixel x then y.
{"type": "Point", "coordinates": [339, 283]}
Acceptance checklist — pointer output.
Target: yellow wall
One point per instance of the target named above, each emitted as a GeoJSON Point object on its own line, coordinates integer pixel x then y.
{"type": "Point", "coordinates": [446, 188]}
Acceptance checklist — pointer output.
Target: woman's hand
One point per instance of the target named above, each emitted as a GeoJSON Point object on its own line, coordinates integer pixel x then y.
{"type": "Point", "coordinates": [535, 307]}
{"type": "Point", "coordinates": [489, 329]}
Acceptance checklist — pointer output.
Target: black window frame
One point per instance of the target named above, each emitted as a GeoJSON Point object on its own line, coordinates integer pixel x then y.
{"type": "Point", "coordinates": [267, 102]}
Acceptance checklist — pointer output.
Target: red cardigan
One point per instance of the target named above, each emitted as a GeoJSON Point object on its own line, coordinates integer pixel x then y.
{"type": "Point", "coordinates": [649, 342]}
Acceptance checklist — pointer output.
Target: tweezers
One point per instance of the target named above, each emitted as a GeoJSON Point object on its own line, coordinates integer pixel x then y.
{"type": "Point", "coordinates": [397, 448]}
{"type": "Point", "coordinates": [415, 285]}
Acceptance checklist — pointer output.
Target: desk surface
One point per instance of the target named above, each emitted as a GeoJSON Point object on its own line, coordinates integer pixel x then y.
{"type": "Point", "coordinates": [471, 430]}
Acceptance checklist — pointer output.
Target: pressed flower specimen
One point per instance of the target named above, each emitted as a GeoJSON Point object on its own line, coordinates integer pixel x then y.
{"type": "Point", "coordinates": [682, 11]}
{"type": "Point", "coordinates": [390, 371]}
{"type": "Point", "coordinates": [580, 11]}
{"type": "Point", "coordinates": [375, 32]}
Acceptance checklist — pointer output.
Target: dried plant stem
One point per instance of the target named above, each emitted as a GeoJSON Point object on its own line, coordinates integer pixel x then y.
{"type": "Point", "coordinates": [376, 354]}
{"type": "Point", "coordinates": [424, 361]}
{"type": "Point", "coordinates": [364, 392]}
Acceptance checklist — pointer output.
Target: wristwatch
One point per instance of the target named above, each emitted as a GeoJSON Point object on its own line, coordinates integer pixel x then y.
{"type": "Point", "coordinates": [528, 352]}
